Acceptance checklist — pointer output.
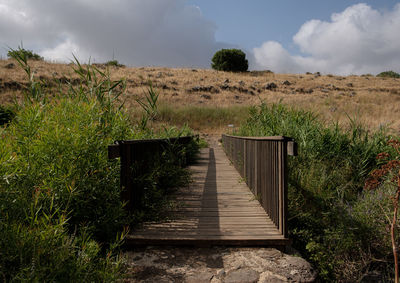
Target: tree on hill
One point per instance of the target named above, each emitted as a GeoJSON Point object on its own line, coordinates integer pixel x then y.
{"type": "Point", "coordinates": [23, 53]}
{"type": "Point", "coordinates": [230, 60]}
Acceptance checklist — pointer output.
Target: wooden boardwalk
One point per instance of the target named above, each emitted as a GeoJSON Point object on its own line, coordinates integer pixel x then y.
{"type": "Point", "coordinates": [216, 209]}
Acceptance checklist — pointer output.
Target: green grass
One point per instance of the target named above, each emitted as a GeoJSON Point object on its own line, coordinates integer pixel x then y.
{"type": "Point", "coordinates": [58, 184]}
{"type": "Point", "coordinates": [61, 217]}
{"type": "Point", "coordinates": [329, 212]}
{"type": "Point", "coordinates": [203, 117]}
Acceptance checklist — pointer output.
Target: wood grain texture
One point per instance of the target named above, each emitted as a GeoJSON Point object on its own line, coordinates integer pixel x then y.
{"type": "Point", "coordinates": [217, 208]}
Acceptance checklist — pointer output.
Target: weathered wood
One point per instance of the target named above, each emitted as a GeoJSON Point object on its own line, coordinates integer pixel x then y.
{"type": "Point", "coordinates": [292, 148]}
{"type": "Point", "coordinates": [216, 209]}
{"type": "Point", "coordinates": [262, 163]}
{"type": "Point", "coordinates": [137, 157]}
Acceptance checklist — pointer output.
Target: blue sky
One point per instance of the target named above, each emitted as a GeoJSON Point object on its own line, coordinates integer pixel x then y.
{"type": "Point", "coordinates": [249, 23]}
{"type": "Point", "coordinates": [338, 37]}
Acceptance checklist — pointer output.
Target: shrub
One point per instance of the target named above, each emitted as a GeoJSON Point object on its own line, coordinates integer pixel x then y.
{"type": "Point", "coordinates": [54, 167]}
{"type": "Point", "coordinates": [329, 213]}
{"type": "Point", "coordinates": [389, 74]}
{"type": "Point", "coordinates": [24, 53]}
{"type": "Point", "coordinates": [230, 60]}
{"type": "Point", "coordinates": [6, 115]}
{"type": "Point", "coordinates": [114, 63]}
{"type": "Point", "coordinates": [61, 217]}
{"type": "Point", "coordinates": [44, 251]}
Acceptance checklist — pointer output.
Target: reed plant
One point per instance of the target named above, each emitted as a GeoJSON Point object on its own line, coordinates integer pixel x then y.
{"type": "Point", "coordinates": [328, 208]}
{"type": "Point", "coordinates": [61, 217]}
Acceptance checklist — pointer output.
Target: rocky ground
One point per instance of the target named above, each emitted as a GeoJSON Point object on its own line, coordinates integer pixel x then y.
{"type": "Point", "coordinates": [216, 264]}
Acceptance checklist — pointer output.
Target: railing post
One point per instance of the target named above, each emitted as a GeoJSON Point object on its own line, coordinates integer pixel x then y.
{"type": "Point", "coordinates": [282, 153]}
{"type": "Point", "coordinates": [256, 168]}
{"type": "Point", "coordinates": [126, 179]}
{"type": "Point", "coordinates": [285, 191]}
{"type": "Point", "coordinates": [136, 155]}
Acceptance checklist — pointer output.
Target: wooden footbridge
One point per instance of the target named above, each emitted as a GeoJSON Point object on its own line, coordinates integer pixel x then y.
{"type": "Point", "coordinates": [238, 195]}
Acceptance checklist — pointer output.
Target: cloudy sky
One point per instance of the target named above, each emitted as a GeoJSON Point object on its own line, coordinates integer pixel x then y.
{"type": "Point", "coordinates": [287, 36]}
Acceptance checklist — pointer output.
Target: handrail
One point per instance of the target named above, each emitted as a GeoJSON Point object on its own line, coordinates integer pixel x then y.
{"type": "Point", "coordinates": [262, 163]}
{"type": "Point", "coordinates": [137, 158]}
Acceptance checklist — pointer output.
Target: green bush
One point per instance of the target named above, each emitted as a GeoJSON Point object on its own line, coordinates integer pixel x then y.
{"type": "Point", "coordinates": [230, 60]}
{"type": "Point", "coordinates": [44, 251]}
{"type": "Point", "coordinates": [329, 213]}
{"type": "Point", "coordinates": [57, 182]}
{"type": "Point", "coordinates": [114, 63]}
{"type": "Point", "coordinates": [389, 74]}
{"type": "Point", "coordinates": [21, 52]}
{"type": "Point", "coordinates": [6, 115]}
{"type": "Point", "coordinates": [61, 217]}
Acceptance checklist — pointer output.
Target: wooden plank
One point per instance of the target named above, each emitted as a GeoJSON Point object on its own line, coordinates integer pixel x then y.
{"type": "Point", "coordinates": [292, 148]}
{"type": "Point", "coordinates": [201, 242]}
{"type": "Point", "coordinates": [215, 209]}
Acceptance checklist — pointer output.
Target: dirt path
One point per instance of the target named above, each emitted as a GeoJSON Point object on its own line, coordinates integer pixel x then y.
{"type": "Point", "coordinates": [216, 264]}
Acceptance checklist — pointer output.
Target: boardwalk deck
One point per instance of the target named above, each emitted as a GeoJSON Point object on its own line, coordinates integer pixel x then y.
{"type": "Point", "coordinates": [216, 209]}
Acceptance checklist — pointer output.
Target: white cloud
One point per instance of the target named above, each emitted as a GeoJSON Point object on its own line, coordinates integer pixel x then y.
{"type": "Point", "coordinates": [356, 41]}
{"type": "Point", "coordinates": [137, 32]}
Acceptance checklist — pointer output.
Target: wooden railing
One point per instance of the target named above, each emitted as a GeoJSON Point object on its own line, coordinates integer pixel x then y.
{"type": "Point", "coordinates": [262, 163]}
{"type": "Point", "coordinates": [138, 158]}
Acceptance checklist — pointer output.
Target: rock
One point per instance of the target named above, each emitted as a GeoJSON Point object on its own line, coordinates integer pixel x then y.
{"type": "Point", "coordinates": [269, 277]}
{"type": "Point", "coordinates": [216, 264]}
{"type": "Point", "coordinates": [302, 90]}
{"type": "Point", "coordinates": [241, 83]}
{"type": "Point", "coordinates": [9, 66]}
{"type": "Point", "coordinates": [199, 277]}
{"type": "Point", "coordinates": [242, 276]}
{"type": "Point", "coordinates": [13, 85]}
{"type": "Point", "coordinates": [226, 81]}
{"type": "Point", "coordinates": [215, 280]}
{"type": "Point", "coordinates": [270, 86]}
{"type": "Point", "coordinates": [286, 82]}
{"type": "Point", "coordinates": [296, 269]}
{"type": "Point", "coordinates": [224, 86]}
{"type": "Point", "coordinates": [221, 273]}
{"type": "Point", "coordinates": [210, 89]}
{"type": "Point", "coordinates": [205, 96]}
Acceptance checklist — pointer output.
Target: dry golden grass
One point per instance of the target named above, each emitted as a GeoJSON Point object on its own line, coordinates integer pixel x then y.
{"type": "Point", "coordinates": [371, 100]}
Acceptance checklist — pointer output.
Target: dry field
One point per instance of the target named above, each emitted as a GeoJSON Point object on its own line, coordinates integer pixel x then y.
{"type": "Point", "coordinates": [368, 99]}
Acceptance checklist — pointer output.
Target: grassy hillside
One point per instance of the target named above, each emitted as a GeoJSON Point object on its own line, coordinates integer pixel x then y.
{"type": "Point", "coordinates": [371, 100]}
